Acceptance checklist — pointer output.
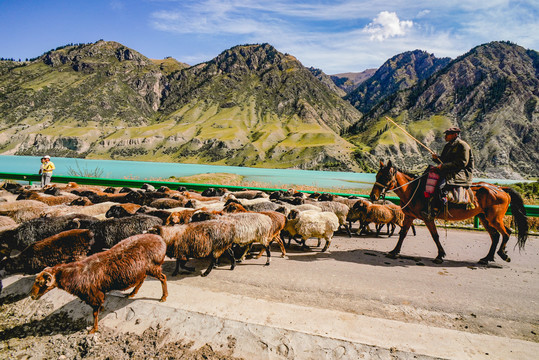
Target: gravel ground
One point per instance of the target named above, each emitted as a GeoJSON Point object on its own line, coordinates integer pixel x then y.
{"type": "Point", "coordinates": [30, 332]}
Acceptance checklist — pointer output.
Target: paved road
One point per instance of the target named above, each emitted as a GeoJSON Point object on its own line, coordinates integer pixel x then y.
{"type": "Point", "coordinates": [348, 302]}
{"type": "Point", "coordinates": [355, 276]}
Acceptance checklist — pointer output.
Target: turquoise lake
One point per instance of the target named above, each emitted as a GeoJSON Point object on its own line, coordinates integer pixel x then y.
{"type": "Point", "coordinates": [141, 170]}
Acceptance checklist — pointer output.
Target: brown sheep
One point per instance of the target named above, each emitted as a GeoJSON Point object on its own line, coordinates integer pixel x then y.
{"type": "Point", "coordinates": [123, 266]}
{"type": "Point", "coordinates": [181, 217]}
{"type": "Point", "coordinates": [66, 246]}
{"type": "Point", "coordinates": [198, 240]}
{"type": "Point", "coordinates": [379, 214]}
{"type": "Point", "coordinates": [47, 199]}
{"type": "Point", "coordinates": [167, 203]}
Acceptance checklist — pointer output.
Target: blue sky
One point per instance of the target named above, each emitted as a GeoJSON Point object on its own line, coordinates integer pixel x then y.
{"type": "Point", "coordinates": [335, 36]}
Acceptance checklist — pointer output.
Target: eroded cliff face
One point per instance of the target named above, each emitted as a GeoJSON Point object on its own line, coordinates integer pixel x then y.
{"type": "Point", "coordinates": [490, 93]}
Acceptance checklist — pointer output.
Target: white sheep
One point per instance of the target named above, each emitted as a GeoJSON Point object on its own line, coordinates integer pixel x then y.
{"type": "Point", "coordinates": [312, 223]}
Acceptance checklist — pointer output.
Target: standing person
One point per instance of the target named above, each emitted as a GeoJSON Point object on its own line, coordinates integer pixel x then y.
{"type": "Point", "coordinates": [46, 170]}
{"type": "Point", "coordinates": [455, 167]}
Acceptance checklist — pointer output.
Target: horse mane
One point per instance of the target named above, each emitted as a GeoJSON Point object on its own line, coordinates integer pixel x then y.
{"type": "Point", "coordinates": [406, 172]}
{"type": "Point", "coordinates": [421, 183]}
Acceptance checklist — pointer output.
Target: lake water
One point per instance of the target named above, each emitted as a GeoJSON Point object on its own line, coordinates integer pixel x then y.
{"type": "Point", "coordinates": [141, 170]}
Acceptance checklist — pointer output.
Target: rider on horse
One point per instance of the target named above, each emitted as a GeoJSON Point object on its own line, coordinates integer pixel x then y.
{"type": "Point", "coordinates": [455, 168]}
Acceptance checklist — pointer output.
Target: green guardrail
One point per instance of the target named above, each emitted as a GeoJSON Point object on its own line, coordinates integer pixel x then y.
{"type": "Point", "coordinates": [531, 210]}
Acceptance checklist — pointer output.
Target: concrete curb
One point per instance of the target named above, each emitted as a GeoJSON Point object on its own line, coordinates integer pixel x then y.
{"type": "Point", "coordinates": [258, 329]}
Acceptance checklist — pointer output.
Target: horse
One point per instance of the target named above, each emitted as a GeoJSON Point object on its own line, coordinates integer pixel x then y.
{"type": "Point", "coordinates": [491, 203]}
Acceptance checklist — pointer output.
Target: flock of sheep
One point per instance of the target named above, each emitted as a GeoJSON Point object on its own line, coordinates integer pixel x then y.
{"type": "Point", "coordinates": [89, 240]}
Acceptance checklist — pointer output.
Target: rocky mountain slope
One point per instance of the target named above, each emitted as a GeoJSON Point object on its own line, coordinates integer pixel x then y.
{"type": "Point", "coordinates": [250, 106]}
{"type": "Point", "coordinates": [398, 73]}
{"type": "Point", "coordinates": [491, 93]}
{"type": "Point", "coordinates": [254, 106]}
{"type": "Point", "coordinates": [350, 81]}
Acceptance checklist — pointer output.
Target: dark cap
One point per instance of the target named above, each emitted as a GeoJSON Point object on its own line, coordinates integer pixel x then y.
{"type": "Point", "coordinates": [452, 130]}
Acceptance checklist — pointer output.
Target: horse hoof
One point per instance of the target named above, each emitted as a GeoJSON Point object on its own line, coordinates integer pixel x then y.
{"type": "Point", "coordinates": [504, 257]}
{"type": "Point", "coordinates": [483, 262]}
{"type": "Point", "coordinates": [438, 261]}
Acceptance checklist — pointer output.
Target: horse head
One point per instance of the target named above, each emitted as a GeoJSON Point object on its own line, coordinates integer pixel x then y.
{"type": "Point", "coordinates": [385, 180]}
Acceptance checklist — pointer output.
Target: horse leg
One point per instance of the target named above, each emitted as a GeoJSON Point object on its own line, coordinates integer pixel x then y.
{"type": "Point", "coordinates": [497, 223]}
{"type": "Point", "coordinates": [434, 233]}
{"type": "Point", "coordinates": [494, 236]}
{"type": "Point", "coordinates": [402, 234]}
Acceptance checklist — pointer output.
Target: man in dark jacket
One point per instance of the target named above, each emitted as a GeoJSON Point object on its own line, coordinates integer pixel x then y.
{"type": "Point", "coordinates": [456, 162]}
{"type": "Point", "coordinates": [455, 167]}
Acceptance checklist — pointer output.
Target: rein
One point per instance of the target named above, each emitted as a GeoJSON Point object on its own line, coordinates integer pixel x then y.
{"type": "Point", "coordinates": [385, 188]}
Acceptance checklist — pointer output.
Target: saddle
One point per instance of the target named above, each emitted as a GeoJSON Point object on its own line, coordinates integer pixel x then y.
{"type": "Point", "coordinates": [460, 195]}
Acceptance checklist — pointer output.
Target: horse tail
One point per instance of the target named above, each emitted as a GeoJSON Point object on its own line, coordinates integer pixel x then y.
{"type": "Point", "coordinates": [519, 216]}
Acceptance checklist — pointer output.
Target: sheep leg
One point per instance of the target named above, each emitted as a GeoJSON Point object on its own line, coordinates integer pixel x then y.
{"type": "Point", "coordinates": [319, 242]}
{"type": "Point", "coordinates": [392, 229]}
{"type": "Point", "coordinates": [157, 273]}
{"type": "Point", "coordinates": [230, 253]}
{"type": "Point", "coordinates": [137, 287]}
{"type": "Point", "coordinates": [281, 245]}
{"type": "Point", "coordinates": [303, 245]}
{"type": "Point", "coordinates": [96, 315]}
{"type": "Point", "coordinates": [378, 228]}
{"type": "Point", "coordinates": [209, 269]}
{"type": "Point", "coordinates": [180, 263]}
{"type": "Point", "coordinates": [328, 242]}
{"type": "Point", "coordinates": [268, 253]}
{"type": "Point", "coordinates": [96, 301]}
{"type": "Point", "coordinates": [348, 227]}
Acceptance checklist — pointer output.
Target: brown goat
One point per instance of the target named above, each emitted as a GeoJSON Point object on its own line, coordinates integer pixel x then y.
{"type": "Point", "coordinates": [123, 266]}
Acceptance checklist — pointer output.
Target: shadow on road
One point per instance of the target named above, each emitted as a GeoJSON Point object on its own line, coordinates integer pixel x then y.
{"type": "Point", "coordinates": [379, 258]}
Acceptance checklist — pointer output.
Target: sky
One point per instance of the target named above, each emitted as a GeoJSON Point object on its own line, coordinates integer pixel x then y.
{"type": "Point", "coordinates": [335, 36]}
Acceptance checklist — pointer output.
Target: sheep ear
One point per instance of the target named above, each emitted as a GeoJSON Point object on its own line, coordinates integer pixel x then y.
{"type": "Point", "coordinates": [49, 279]}
{"type": "Point", "coordinates": [389, 164]}
{"type": "Point", "coordinates": [381, 164]}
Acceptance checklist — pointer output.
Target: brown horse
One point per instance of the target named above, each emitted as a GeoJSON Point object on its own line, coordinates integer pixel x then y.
{"type": "Point", "coordinates": [491, 203]}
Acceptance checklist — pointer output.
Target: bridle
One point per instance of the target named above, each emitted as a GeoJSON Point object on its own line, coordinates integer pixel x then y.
{"type": "Point", "coordinates": [392, 185]}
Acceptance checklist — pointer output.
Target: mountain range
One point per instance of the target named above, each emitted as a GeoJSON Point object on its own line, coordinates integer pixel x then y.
{"type": "Point", "coordinates": [254, 106]}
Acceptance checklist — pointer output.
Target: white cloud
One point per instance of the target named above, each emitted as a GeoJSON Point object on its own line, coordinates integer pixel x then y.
{"type": "Point", "coordinates": [350, 35]}
{"type": "Point", "coordinates": [423, 13]}
{"type": "Point", "coordinates": [387, 25]}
